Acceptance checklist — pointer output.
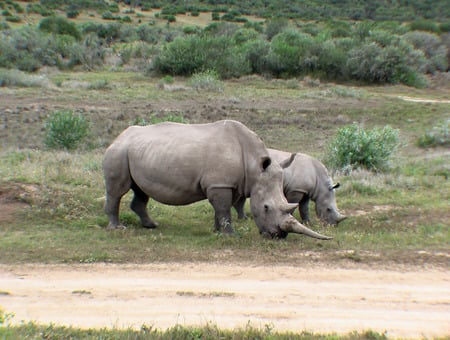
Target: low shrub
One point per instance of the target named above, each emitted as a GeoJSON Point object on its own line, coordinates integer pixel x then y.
{"type": "Point", "coordinates": [21, 79]}
{"type": "Point", "coordinates": [355, 147]}
{"type": "Point", "coordinates": [438, 136]}
{"type": "Point", "coordinates": [65, 130]}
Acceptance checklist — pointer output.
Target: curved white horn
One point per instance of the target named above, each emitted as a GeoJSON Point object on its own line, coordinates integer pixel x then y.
{"type": "Point", "coordinates": [294, 226]}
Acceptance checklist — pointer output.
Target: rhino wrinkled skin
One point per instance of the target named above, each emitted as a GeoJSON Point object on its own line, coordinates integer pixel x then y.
{"type": "Point", "coordinates": [305, 179]}
{"type": "Point", "coordinates": [178, 164]}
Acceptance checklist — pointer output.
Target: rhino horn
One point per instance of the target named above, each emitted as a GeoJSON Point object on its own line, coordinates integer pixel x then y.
{"type": "Point", "coordinates": [340, 218]}
{"type": "Point", "coordinates": [290, 207]}
{"type": "Point", "coordinates": [293, 226]}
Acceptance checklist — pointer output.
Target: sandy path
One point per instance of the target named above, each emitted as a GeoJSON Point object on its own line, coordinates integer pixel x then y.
{"type": "Point", "coordinates": [413, 304]}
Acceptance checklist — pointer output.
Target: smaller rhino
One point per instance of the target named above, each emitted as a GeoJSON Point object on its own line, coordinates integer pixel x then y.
{"type": "Point", "coordinates": [305, 179]}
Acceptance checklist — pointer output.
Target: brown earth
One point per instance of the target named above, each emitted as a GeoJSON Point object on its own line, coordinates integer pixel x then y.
{"type": "Point", "coordinates": [318, 298]}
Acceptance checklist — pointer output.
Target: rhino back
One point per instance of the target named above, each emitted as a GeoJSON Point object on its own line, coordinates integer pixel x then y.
{"type": "Point", "coordinates": [177, 163]}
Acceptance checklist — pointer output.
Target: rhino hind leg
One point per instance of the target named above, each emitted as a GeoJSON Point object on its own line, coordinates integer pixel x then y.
{"type": "Point", "coordinates": [112, 211]}
{"type": "Point", "coordinates": [221, 200]}
{"type": "Point", "coordinates": [117, 185]}
{"type": "Point", "coordinates": [139, 206]}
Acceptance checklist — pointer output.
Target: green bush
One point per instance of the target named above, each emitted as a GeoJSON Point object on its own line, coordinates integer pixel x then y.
{"type": "Point", "coordinates": [256, 52]}
{"type": "Point", "coordinates": [392, 61]}
{"type": "Point", "coordinates": [433, 49]}
{"type": "Point", "coordinates": [65, 130]}
{"type": "Point", "coordinates": [59, 25]}
{"type": "Point", "coordinates": [188, 55]}
{"type": "Point", "coordinates": [72, 13]}
{"type": "Point", "coordinates": [26, 49]}
{"type": "Point", "coordinates": [355, 147]}
{"type": "Point", "coordinates": [291, 53]}
{"type": "Point", "coordinates": [424, 25]}
{"type": "Point", "coordinates": [89, 53]}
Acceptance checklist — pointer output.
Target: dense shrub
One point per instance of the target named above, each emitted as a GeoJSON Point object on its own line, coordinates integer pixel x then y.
{"type": "Point", "coordinates": [291, 53]}
{"type": "Point", "coordinates": [72, 13]}
{"type": "Point", "coordinates": [355, 147]}
{"type": "Point", "coordinates": [89, 53]}
{"type": "Point", "coordinates": [434, 50]}
{"type": "Point", "coordinates": [332, 57]}
{"type": "Point", "coordinates": [255, 52]}
{"type": "Point", "coordinates": [424, 25]}
{"type": "Point", "coordinates": [276, 26]}
{"type": "Point", "coordinates": [59, 25]}
{"type": "Point", "coordinates": [27, 49]}
{"type": "Point", "coordinates": [445, 27]}
{"type": "Point", "coordinates": [387, 62]}
{"type": "Point", "coordinates": [65, 130]}
{"type": "Point", "coordinates": [189, 55]}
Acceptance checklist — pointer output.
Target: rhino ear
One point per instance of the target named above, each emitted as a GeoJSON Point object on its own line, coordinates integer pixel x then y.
{"type": "Point", "coordinates": [337, 185]}
{"type": "Point", "coordinates": [265, 162]}
{"type": "Point", "coordinates": [287, 162]}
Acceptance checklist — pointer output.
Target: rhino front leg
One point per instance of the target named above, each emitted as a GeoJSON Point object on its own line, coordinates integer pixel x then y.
{"type": "Point", "coordinates": [239, 206]}
{"type": "Point", "coordinates": [139, 206]}
{"type": "Point", "coordinates": [221, 200]}
{"type": "Point", "coordinates": [303, 208]}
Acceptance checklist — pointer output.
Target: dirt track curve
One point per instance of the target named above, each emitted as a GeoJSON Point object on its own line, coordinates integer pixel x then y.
{"type": "Point", "coordinates": [412, 304]}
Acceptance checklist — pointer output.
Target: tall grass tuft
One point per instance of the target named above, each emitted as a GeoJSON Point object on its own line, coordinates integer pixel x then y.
{"type": "Point", "coordinates": [207, 81]}
{"type": "Point", "coordinates": [356, 147]}
{"type": "Point", "coordinates": [65, 130]}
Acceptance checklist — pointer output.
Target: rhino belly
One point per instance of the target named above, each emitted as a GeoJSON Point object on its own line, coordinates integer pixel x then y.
{"type": "Point", "coordinates": [168, 184]}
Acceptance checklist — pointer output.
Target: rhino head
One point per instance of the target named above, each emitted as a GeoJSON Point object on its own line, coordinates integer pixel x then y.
{"type": "Point", "coordinates": [326, 207]}
{"type": "Point", "coordinates": [271, 211]}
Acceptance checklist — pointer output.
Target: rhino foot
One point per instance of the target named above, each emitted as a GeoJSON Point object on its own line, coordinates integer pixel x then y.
{"type": "Point", "coordinates": [116, 227]}
{"type": "Point", "coordinates": [151, 225]}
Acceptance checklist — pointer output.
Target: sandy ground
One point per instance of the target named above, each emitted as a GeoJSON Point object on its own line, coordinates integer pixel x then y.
{"type": "Point", "coordinates": [411, 304]}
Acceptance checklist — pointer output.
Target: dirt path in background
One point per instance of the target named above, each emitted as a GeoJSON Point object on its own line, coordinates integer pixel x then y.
{"type": "Point", "coordinates": [411, 304]}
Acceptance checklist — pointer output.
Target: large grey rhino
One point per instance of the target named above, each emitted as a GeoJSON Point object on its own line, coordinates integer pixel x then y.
{"type": "Point", "coordinates": [178, 164]}
{"type": "Point", "coordinates": [305, 179]}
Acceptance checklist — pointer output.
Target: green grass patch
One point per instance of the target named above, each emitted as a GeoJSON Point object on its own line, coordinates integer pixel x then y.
{"type": "Point", "coordinates": [62, 220]}
{"type": "Point", "coordinates": [209, 331]}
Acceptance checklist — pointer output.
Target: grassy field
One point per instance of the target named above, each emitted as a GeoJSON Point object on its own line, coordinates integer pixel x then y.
{"type": "Point", "coordinates": [54, 199]}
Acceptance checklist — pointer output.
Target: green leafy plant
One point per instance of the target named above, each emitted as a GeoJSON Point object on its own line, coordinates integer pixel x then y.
{"type": "Point", "coordinates": [356, 147]}
{"type": "Point", "coordinates": [65, 130]}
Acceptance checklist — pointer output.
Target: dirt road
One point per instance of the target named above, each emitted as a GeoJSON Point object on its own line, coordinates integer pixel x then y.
{"type": "Point", "coordinates": [411, 304]}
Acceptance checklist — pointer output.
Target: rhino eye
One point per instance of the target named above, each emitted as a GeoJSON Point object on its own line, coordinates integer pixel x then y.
{"type": "Point", "coordinates": [266, 208]}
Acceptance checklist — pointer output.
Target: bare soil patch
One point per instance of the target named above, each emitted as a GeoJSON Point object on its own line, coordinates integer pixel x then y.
{"type": "Point", "coordinates": [319, 298]}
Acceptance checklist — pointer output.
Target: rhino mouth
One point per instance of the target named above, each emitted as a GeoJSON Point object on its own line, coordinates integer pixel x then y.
{"type": "Point", "coordinates": [277, 234]}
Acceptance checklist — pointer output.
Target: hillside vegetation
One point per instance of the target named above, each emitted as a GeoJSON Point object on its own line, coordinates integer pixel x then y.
{"type": "Point", "coordinates": [145, 37]}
